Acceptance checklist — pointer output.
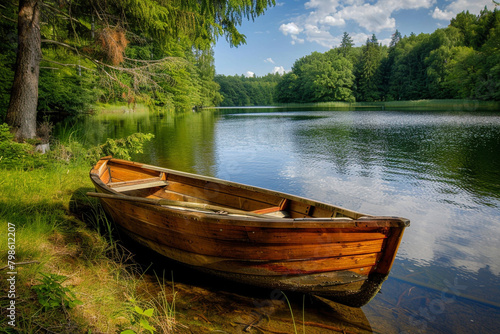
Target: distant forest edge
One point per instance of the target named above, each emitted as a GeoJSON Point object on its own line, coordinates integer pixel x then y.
{"type": "Point", "coordinates": [461, 61]}
{"type": "Point", "coordinates": [78, 68]}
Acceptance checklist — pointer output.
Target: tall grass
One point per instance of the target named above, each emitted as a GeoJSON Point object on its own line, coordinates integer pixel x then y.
{"type": "Point", "coordinates": [423, 105]}
{"type": "Point", "coordinates": [61, 231]}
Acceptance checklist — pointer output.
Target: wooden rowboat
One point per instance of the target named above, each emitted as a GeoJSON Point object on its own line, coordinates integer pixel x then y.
{"type": "Point", "coordinates": [249, 234]}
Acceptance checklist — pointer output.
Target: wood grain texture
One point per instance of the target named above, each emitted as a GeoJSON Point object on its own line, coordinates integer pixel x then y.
{"type": "Point", "coordinates": [319, 243]}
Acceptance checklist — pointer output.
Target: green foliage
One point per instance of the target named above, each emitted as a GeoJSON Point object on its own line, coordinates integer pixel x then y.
{"type": "Point", "coordinates": [242, 91]}
{"type": "Point", "coordinates": [346, 44]}
{"type": "Point", "coordinates": [158, 52]}
{"type": "Point", "coordinates": [140, 319]}
{"type": "Point", "coordinates": [6, 77]}
{"type": "Point", "coordinates": [14, 154]}
{"type": "Point", "coordinates": [22, 155]}
{"type": "Point", "coordinates": [318, 78]}
{"type": "Point", "coordinates": [51, 294]}
{"type": "Point", "coordinates": [457, 62]}
{"type": "Point", "coordinates": [66, 90]}
{"type": "Point", "coordinates": [121, 148]}
{"type": "Point", "coordinates": [368, 71]}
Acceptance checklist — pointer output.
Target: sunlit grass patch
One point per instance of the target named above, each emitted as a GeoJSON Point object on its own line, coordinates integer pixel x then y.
{"type": "Point", "coordinates": [60, 232]}
{"type": "Point", "coordinates": [415, 105]}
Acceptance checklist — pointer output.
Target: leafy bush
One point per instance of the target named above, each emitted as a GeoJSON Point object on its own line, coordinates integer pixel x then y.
{"type": "Point", "coordinates": [121, 148]}
{"type": "Point", "coordinates": [51, 294]}
{"type": "Point", "coordinates": [6, 77]}
{"type": "Point", "coordinates": [13, 154]}
{"type": "Point", "coordinates": [118, 148]}
{"type": "Point", "coordinates": [22, 155]}
{"type": "Point", "coordinates": [66, 91]}
{"type": "Point", "coordinates": [141, 320]}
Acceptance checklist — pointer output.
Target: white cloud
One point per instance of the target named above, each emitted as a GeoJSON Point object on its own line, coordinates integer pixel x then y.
{"type": "Point", "coordinates": [249, 74]}
{"type": "Point", "coordinates": [290, 29]}
{"type": "Point", "coordinates": [320, 36]}
{"type": "Point", "coordinates": [439, 14]}
{"type": "Point", "coordinates": [279, 69]}
{"type": "Point", "coordinates": [372, 18]}
{"type": "Point", "coordinates": [448, 12]}
{"type": "Point", "coordinates": [269, 60]}
{"type": "Point", "coordinates": [333, 20]}
{"type": "Point", "coordinates": [359, 38]}
{"type": "Point", "coordinates": [324, 15]}
{"type": "Point", "coordinates": [293, 30]}
{"type": "Point", "coordinates": [385, 41]}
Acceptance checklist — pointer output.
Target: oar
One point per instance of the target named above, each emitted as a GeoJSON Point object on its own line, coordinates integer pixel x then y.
{"type": "Point", "coordinates": [191, 205]}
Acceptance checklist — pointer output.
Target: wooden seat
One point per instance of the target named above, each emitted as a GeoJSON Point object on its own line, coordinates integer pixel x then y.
{"type": "Point", "coordinates": [128, 186]}
{"type": "Point", "coordinates": [279, 211]}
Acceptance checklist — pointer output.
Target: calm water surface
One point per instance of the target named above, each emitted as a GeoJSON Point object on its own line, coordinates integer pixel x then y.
{"type": "Point", "coordinates": [441, 170]}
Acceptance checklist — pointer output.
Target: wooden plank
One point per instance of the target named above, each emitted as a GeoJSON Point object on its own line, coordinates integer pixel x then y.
{"type": "Point", "coordinates": [106, 176]}
{"type": "Point", "coordinates": [100, 167]}
{"type": "Point", "coordinates": [162, 233]}
{"type": "Point", "coordinates": [267, 210]}
{"type": "Point", "coordinates": [391, 248]}
{"type": "Point", "coordinates": [181, 221]}
{"type": "Point", "coordinates": [361, 264]}
{"type": "Point", "coordinates": [281, 208]}
{"type": "Point", "coordinates": [214, 196]}
{"type": "Point", "coordinates": [155, 204]}
{"type": "Point", "coordinates": [129, 173]}
{"type": "Point", "coordinates": [143, 185]}
{"type": "Point", "coordinates": [303, 267]}
{"type": "Point", "coordinates": [224, 265]}
{"type": "Point", "coordinates": [124, 183]}
{"type": "Point", "coordinates": [175, 196]}
{"type": "Point", "coordinates": [270, 199]}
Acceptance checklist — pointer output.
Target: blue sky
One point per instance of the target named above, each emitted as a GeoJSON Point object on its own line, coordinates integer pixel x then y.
{"type": "Point", "coordinates": [293, 29]}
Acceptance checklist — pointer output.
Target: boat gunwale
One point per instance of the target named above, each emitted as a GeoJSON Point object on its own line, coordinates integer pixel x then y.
{"type": "Point", "coordinates": [266, 221]}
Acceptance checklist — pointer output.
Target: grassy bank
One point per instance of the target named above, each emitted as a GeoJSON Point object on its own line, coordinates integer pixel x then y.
{"type": "Point", "coordinates": [121, 108]}
{"type": "Point", "coordinates": [67, 272]}
{"type": "Point", "coordinates": [430, 105]}
{"type": "Point", "coordinates": [70, 273]}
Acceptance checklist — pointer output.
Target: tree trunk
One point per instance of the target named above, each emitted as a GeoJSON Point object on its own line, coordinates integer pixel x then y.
{"type": "Point", "coordinates": [21, 114]}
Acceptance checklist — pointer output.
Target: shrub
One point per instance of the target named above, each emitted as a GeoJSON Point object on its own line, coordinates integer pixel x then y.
{"type": "Point", "coordinates": [13, 154]}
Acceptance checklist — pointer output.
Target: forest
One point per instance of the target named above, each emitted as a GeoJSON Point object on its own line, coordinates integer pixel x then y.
{"type": "Point", "coordinates": [461, 61]}
{"type": "Point", "coordinates": [252, 91]}
{"type": "Point", "coordinates": [61, 57]}
{"type": "Point", "coordinates": [131, 51]}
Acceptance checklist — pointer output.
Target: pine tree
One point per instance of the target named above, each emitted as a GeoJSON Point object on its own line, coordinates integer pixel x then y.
{"type": "Point", "coordinates": [368, 78]}
{"type": "Point", "coordinates": [396, 37]}
{"type": "Point", "coordinates": [346, 44]}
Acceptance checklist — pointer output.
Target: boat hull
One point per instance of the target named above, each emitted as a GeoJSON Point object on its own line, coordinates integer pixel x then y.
{"type": "Point", "coordinates": [345, 259]}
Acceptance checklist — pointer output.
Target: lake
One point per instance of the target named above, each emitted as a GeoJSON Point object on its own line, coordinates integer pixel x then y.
{"type": "Point", "coordinates": [441, 170]}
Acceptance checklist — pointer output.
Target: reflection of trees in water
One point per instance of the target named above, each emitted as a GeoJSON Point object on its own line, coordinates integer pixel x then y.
{"type": "Point", "coordinates": [453, 157]}
{"type": "Point", "coordinates": [183, 141]}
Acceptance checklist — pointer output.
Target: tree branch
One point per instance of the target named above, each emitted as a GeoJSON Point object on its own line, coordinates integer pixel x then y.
{"type": "Point", "coordinates": [9, 19]}
{"type": "Point", "coordinates": [62, 64]}
{"type": "Point", "coordinates": [61, 44]}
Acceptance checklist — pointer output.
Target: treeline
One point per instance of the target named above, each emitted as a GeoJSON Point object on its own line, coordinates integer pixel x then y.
{"type": "Point", "coordinates": [457, 62]}
{"type": "Point", "coordinates": [247, 91]}
{"type": "Point", "coordinates": [461, 61]}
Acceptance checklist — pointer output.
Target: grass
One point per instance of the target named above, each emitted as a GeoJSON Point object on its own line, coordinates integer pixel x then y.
{"type": "Point", "coordinates": [431, 105]}
{"type": "Point", "coordinates": [60, 231]}
{"type": "Point", "coordinates": [120, 107]}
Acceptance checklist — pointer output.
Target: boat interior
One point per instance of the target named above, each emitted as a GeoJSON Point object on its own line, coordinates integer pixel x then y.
{"type": "Point", "coordinates": [152, 182]}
